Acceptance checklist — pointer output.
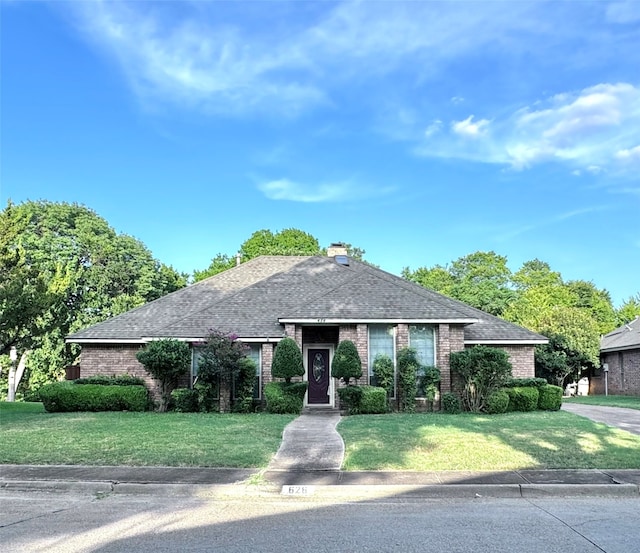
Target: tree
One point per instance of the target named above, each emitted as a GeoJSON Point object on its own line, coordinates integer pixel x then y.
{"type": "Point", "coordinates": [64, 268]}
{"type": "Point", "coordinates": [535, 273]}
{"type": "Point", "coordinates": [346, 363]}
{"type": "Point", "coordinates": [287, 360]}
{"type": "Point", "coordinates": [383, 372]}
{"type": "Point", "coordinates": [551, 360]}
{"type": "Point", "coordinates": [628, 311]}
{"type": "Point", "coordinates": [480, 279]}
{"type": "Point", "coordinates": [166, 360]}
{"type": "Point", "coordinates": [264, 242]}
{"type": "Point", "coordinates": [221, 363]}
{"type": "Point", "coordinates": [596, 302]}
{"type": "Point", "coordinates": [408, 369]}
{"type": "Point", "coordinates": [484, 370]}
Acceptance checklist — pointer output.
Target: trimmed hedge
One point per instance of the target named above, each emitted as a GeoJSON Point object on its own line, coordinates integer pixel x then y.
{"type": "Point", "coordinates": [351, 397]}
{"type": "Point", "coordinates": [374, 400]}
{"type": "Point", "coordinates": [550, 398]}
{"type": "Point", "coordinates": [451, 403]}
{"type": "Point", "coordinates": [526, 383]}
{"type": "Point", "coordinates": [523, 398]}
{"type": "Point", "coordinates": [185, 400]}
{"type": "Point", "coordinates": [115, 380]}
{"type": "Point", "coordinates": [65, 397]}
{"type": "Point", "coordinates": [497, 402]}
{"type": "Point", "coordinates": [285, 398]}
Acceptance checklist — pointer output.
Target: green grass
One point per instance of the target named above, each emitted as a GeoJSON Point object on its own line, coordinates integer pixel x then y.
{"type": "Point", "coordinates": [29, 435]}
{"type": "Point", "coordinates": [630, 402]}
{"type": "Point", "coordinates": [513, 441]}
{"type": "Point", "coordinates": [537, 440]}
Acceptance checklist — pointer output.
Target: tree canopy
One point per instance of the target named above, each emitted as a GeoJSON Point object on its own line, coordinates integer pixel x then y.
{"type": "Point", "coordinates": [264, 242]}
{"type": "Point", "coordinates": [574, 313]}
{"type": "Point", "coordinates": [64, 268]}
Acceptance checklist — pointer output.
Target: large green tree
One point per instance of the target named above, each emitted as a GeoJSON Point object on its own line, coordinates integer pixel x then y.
{"type": "Point", "coordinates": [65, 268]}
{"type": "Point", "coordinates": [265, 242]}
{"type": "Point", "coordinates": [629, 310]}
{"type": "Point", "coordinates": [480, 279]}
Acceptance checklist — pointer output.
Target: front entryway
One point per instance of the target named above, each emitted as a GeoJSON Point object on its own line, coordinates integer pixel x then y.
{"type": "Point", "coordinates": [318, 374]}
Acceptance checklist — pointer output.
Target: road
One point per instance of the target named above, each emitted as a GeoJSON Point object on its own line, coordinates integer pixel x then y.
{"type": "Point", "coordinates": [62, 522]}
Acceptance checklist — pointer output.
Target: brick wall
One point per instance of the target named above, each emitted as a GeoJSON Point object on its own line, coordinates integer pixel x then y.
{"type": "Point", "coordinates": [359, 335]}
{"type": "Point", "coordinates": [522, 360]}
{"type": "Point", "coordinates": [624, 374]}
{"type": "Point", "coordinates": [112, 359]}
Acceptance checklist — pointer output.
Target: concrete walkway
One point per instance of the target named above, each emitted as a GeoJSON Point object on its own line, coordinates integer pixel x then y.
{"type": "Point", "coordinates": [310, 442]}
{"type": "Point", "coordinates": [620, 417]}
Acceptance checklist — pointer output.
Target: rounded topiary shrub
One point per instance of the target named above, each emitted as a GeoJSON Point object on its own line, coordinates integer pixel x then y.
{"type": "Point", "coordinates": [523, 398]}
{"type": "Point", "coordinates": [451, 403]}
{"type": "Point", "coordinates": [346, 363]}
{"type": "Point", "coordinates": [497, 402]}
{"type": "Point", "coordinates": [287, 360]}
{"type": "Point", "coordinates": [550, 398]}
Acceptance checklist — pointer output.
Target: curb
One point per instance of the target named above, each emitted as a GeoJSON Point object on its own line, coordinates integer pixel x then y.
{"type": "Point", "coordinates": [354, 492]}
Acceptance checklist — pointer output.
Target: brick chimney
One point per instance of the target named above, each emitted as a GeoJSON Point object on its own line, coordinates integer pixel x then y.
{"type": "Point", "coordinates": [336, 248]}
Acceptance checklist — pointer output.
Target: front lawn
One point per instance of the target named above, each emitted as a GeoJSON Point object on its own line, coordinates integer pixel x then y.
{"type": "Point", "coordinates": [630, 402]}
{"type": "Point", "coordinates": [512, 441]}
{"type": "Point", "coordinates": [29, 435]}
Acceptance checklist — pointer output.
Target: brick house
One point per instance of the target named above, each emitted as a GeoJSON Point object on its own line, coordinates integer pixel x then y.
{"type": "Point", "coordinates": [620, 350]}
{"type": "Point", "coordinates": [319, 301]}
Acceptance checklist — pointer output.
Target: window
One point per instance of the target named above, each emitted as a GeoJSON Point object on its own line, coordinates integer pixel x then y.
{"type": "Point", "coordinates": [255, 354]}
{"type": "Point", "coordinates": [196, 355]}
{"type": "Point", "coordinates": [421, 339]}
{"type": "Point", "coordinates": [381, 341]}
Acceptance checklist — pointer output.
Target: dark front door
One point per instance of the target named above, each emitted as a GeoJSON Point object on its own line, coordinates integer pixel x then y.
{"type": "Point", "coordinates": [318, 375]}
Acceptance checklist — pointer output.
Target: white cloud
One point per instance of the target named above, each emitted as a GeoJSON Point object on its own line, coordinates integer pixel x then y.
{"type": "Point", "coordinates": [593, 130]}
{"type": "Point", "coordinates": [433, 128]}
{"type": "Point", "coordinates": [629, 154]}
{"type": "Point", "coordinates": [285, 189]}
{"type": "Point", "coordinates": [469, 129]}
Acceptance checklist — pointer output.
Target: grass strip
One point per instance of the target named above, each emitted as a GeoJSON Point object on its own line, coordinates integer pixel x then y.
{"type": "Point", "coordinates": [629, 402]}
{"type": "Point", "coordinates": [29, 435]}
{"type": "Point", "coordinates": [536, 440]}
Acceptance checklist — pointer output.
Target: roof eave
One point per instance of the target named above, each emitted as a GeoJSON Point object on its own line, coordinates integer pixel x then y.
{"type": "Point", "coordinates": [336, 320]}
{"type": "Point", "coordinates": [510, 342]}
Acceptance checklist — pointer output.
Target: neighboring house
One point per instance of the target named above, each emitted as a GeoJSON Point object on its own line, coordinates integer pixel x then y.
{"type": "Point", "coordinates": [318, 301]}
{"type": "Point", "coordinates": [620, 351]}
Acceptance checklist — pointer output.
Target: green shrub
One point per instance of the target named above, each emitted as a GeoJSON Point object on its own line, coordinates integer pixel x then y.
{"type": "Point", "coordinates": [350, 397]}
{"type": "Point", "coordinates": [115, 380]}
{"type": "Point", "coordinates": [429, 379]}
{"type": "Point", "coordinates": [550, 398]}
{"type": "Point", "coordinates": [287, 360]}
{"type": "Point", "coordinates": [383, 372]}
{"type": "Point", "coordinates": [497, 402]}
{"type": "Point", "coordinates": [346, 363]}
{"type": "Point", "coordinates": [483, 370]}
{"type": "Point", "coordinates": [185, 400]}
{"type": "Point", "coordinates": [374, 400]}
{"type": "Point", "coordinates": [244, 385]}
{"type": "Point", "coordinates": [523, 398]}
{"type": "Point", "coordinates": [64, 397]}
{"type": "Point", "coordinates": [208, 397]}
{"type": "Point", "coordinates": [451, 403]}
{"type": "Point", "coordinates": [285, 398]}
{"type": "Point", "coordinates": [165, 360]}
{"type": "Point", "coordinates": [525, 383]}
{"type": "Point", "coordinates": [408, 366]}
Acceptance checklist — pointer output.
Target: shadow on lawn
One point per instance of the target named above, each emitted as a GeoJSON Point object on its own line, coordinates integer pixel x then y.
{"type": "Point", "coordinates": [537, 440]}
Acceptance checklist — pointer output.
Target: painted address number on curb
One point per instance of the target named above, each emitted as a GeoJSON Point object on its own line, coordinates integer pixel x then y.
{"type": "Point", "coordinates": [297, 490]}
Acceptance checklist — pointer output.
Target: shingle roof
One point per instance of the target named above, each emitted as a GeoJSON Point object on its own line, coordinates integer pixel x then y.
{"type": "Point", "coordinates": [254, 299]}
{"type": "Point", "coordinates": [625, 337]}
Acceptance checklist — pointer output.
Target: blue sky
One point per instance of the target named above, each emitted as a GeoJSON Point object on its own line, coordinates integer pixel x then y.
{"type": "Point", "coordinates": [419, 131]}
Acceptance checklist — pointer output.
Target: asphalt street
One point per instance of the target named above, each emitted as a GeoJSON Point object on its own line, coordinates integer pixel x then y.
{"type": "Point", "coordinates": [57, 523]}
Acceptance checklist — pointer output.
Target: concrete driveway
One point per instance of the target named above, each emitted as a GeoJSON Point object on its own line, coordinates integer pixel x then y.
{"type": "Point", "coordinates": [625, 419]}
